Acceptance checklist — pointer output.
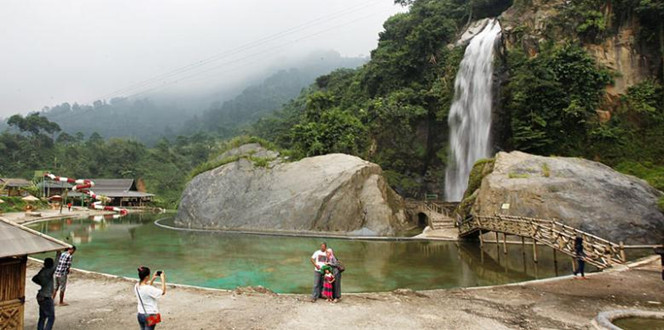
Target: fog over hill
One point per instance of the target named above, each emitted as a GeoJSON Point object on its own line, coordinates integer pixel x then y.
{"type": "Point", "coordinates": [217, 111]}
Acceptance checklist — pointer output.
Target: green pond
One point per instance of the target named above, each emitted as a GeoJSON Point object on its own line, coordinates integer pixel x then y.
{"type": "Point", "coordinates": [639, 323]}
{"type": "Point", "coordinates": [228, 260]}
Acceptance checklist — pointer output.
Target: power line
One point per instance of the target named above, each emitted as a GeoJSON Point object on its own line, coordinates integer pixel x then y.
{"type": "Point", "coordinates": [259, 53]}
{"type": "Point", "coordinates": [239, 49]}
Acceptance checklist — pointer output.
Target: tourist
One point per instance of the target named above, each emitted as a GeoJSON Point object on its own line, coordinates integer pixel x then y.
{"type": "Point", "coordinates": [61, 273]}
{"type": "Point", "coordinates": [328, 286]}
{"type": "Point", "coordinates": [580, 255]}
{"type": "Point", "coordinates": [69, 206]}
{"type": "Point", "coordinates": [146, 296]}
{"type": "Point", "coordinates": [337, 268]}
{"type": "Point", "coordinates": [46, 309]}
{"type": "Point", "coordinates": [318, 259]}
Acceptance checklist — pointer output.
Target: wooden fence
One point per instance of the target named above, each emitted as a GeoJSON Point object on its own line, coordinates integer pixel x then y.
{"type": "Point", "coordinates": [600, 252]}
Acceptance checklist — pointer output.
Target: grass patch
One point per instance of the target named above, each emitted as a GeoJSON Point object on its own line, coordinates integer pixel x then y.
{"type": "Point", "coordinates": [660, 204]}
{"type": "Point", "coordinates": [209, 165]}
{"type": "Point", "coordinates": [16, 204]}
{"type": "Point", "coordinates": [648, 171]}
{"type": "Point", "coordinates": [546, 171]}
{"type": "Point", "coordinates": [261, 161]}
{"type": "Point", "coordinates": [513, 175]}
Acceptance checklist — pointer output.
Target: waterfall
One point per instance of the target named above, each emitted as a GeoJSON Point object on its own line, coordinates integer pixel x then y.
{"type": "Point", "coordinates": [470, 115]}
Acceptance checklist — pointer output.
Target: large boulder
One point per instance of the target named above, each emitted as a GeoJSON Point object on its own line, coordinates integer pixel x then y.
{"type": "Point", "coordinates": [584, 194]}
{"type": "Point", "coordinates": [333, 193]}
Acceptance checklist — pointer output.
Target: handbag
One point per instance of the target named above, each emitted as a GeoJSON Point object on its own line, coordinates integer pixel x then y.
{"type": "Point", "coordinates": [340, 266]}
{"type": "Point", "coordinates": [151, 319]}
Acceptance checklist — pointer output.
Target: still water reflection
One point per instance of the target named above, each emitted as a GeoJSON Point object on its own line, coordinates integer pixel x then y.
{"type": "Point", "coordinates": [227, 260]}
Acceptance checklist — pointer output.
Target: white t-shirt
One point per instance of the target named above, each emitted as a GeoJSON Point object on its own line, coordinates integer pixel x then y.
{"type": "Point", "coordinates": [149, 294]}
{"type": "Point", "coordinates": [320, 257]}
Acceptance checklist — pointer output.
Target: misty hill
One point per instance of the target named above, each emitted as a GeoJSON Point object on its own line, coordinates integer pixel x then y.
{"type": "Point", "coordinates": [151, 118]}
{"type": "Point", "coordinates": [228, 118]}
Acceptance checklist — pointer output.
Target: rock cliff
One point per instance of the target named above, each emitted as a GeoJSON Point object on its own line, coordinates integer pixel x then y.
{"type": "Point", "coordinates": [333, 193]}
{"type": "Point", "coordinates": [581, 193]}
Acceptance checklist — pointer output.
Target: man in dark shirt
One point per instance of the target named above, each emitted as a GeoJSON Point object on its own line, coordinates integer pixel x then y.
{"type": "Point", "coordinates": [44, 296]}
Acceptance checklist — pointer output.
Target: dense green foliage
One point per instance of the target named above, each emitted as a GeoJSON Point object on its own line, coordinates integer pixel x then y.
{"type": "Point", "coordinates": [164, 167]}
{"type": "Point", "coordinates": [552, 99]}
{"type": "Point", "coordinates": [16, 204]}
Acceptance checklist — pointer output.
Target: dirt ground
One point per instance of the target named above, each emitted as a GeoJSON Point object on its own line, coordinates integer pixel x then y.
{"type": "Point", "coordinates": [100, 302]}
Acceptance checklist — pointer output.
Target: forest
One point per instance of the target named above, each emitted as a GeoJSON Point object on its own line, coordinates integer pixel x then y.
{"type": "Point", "coordinates": [393, 110]}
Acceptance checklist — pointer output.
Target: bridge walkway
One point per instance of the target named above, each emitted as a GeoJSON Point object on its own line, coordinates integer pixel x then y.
{"type": "Point", "coordinates": [601, 253]}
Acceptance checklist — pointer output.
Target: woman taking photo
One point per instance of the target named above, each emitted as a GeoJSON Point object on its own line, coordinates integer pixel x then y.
{"type": "Point", "coordinates": [147, 295]}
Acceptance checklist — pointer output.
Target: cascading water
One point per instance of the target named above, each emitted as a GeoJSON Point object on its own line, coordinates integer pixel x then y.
{"type": "Point", "coordinates": [470, 115]}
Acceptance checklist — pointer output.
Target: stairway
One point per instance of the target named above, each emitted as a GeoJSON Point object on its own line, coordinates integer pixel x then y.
{"type": "Point", "coordinates": [441, 221]}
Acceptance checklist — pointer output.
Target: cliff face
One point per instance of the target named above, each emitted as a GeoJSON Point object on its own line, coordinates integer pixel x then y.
{"type": "Point", "coordinates": [331, 193]}
{"type": "Point", "coordinates": [526, 26]}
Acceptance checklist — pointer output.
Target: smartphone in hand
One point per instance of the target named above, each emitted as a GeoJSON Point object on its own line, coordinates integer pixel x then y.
{"type": "Point", "coordinates": [158, 273]}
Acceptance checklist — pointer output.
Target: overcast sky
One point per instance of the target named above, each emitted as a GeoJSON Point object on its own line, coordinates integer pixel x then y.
{"type": "Point", "coordinates": [81, 50]}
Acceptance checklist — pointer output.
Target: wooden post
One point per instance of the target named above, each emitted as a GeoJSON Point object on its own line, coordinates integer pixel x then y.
{"type": "Point", "coordinates": [497, 239]}
{"type": "Point", "coordinates": [535, 250]}
{"type": "Point", "coordinates": [481, 240]}
{"type": "Point", "coordinates": [622, 252]}
{"type": "Point", "coordinates": [523, 245]}
{"type": "Point", "coordinates": [555, 262]}
{"type": "Point", "coordinates": [63, 200]}
{"type": "Point", "coordinates": [504, 243]}
{"type": "Point", "coordinates": [573, 264]}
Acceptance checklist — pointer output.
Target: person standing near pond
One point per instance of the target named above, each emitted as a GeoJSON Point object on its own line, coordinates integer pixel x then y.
{"type": "Point", "coordinates": [580, 255]}
{"type": "Point", "coordinates": [336, 271]}
{"type": "Point", "coordinates": [61, 273]}
{"type": "Point", "coordinates": [318, 259]}
{"type": "Point", "coordinates": [146, 296]}
{"type": "Point", "coordinates": [44, 296]}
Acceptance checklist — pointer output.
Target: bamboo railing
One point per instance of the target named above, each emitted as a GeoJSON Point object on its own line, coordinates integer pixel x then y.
{"type": "Point", "coordinates": [600, 252]}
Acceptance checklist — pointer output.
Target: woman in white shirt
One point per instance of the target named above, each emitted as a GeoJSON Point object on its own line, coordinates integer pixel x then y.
{"type": "Point", "coordinates": [147, 296]}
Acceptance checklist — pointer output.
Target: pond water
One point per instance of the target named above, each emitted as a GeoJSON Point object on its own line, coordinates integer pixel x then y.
{"type": "Point", "coordinates": [228, 260]}
{"type": "Point", "coordinates": [640, 323]}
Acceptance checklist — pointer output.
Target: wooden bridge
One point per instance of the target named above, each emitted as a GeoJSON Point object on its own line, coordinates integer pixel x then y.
{"type": "Point", "coordinates": [601, 253]}
{"type": "Point", "coordinates": [439, 215]}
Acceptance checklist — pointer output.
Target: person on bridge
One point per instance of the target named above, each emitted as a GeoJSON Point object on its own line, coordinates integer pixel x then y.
{"type": "Point", "coordinates": [580, 255]}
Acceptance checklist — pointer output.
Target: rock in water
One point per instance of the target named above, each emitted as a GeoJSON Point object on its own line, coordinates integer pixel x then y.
{"type": "Point", "coordinates": [331, 193]}
{"type": "Point", "coordinates": [584, 194]}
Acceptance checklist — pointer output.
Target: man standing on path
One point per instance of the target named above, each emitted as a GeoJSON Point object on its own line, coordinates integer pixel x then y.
{"type": "Point", "coordinates": [61, 272]}
{"type": "Point", "coordinates": [46, 309]}
{"type": "Point", "coordinates": [318, 259]}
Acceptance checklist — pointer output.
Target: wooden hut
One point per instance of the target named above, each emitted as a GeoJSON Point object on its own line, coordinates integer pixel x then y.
{"type": "Point", "coordinates": [13, 186]}
{"type": "Point", "coordinates": [16, 243]}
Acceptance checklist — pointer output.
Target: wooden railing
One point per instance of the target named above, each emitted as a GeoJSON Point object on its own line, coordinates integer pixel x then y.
{"type": "Point", "coordinates": [600, 252]}
{"type": "Point", "coordinates": [443, 208]}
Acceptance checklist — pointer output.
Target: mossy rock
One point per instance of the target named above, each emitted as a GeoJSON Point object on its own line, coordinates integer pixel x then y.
{"type": "Point", "coordinates": [482, 168]}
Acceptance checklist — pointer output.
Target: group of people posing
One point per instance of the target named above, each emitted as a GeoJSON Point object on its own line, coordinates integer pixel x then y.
{"type": "Point", "coordinates": [327, 275]}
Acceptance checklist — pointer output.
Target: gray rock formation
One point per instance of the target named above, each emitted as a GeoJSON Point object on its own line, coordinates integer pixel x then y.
{"type": "Point", "coordinates": [584, 194]}
{"type": "Point", "coordinates": [333, 193]}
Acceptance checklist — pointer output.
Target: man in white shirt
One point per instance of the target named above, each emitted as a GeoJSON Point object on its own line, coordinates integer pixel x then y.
{"type": "Point", "coordinates": [318, 259]}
